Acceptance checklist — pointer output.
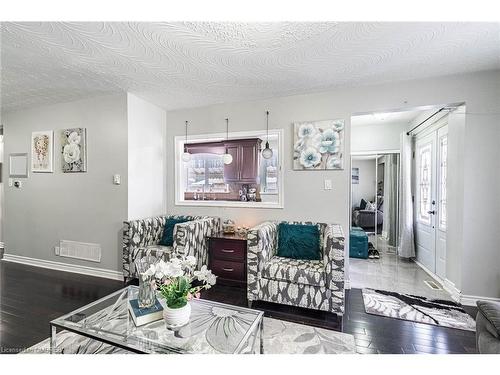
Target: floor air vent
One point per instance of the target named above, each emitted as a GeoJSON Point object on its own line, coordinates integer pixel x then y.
{"type": "Point", "coordinates": [432, 285]}
{"type": "Point", "coordinates": [80, 250]}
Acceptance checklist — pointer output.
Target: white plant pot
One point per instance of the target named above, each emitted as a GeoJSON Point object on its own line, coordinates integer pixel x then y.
{"type": "Point", "coordinates": [177, 317]}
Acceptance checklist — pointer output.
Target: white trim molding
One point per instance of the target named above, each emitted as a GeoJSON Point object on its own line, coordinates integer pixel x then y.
{"type": "Point", "coordinates": [450, 287]}
{"type": "Point", "coordinates": [469, 300]}
{"type": "Point", "coordinates": [454, 292]}
{"type": "Point", "coordinates": [429, 272]}
{"type": "Point", "coordinates": [59, 266]}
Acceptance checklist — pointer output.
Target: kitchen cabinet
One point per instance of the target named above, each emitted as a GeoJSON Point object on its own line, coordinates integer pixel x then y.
{"type": "Point", "coordinates": [244, 168]}
{"type": "Point", "coordinates": [245, 165]}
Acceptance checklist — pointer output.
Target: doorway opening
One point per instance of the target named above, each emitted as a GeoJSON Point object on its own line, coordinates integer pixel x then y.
{"type": "Point", "coordinates": [377, 195]}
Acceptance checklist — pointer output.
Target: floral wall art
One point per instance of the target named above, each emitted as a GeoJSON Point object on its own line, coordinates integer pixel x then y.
{"type": "Point", "coordinates": [74, 150]}
{"type": "Point", "coordinates": [318, 145]}
{"type": "Point", "coordinates": [42, 151]}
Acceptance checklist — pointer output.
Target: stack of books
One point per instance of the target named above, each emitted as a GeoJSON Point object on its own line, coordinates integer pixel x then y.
{"type": "Point", "coordinates": [145, 315]}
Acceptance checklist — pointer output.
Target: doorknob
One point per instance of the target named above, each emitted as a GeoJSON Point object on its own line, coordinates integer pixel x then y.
{"type": "Point", "coordinates": [433, 212]}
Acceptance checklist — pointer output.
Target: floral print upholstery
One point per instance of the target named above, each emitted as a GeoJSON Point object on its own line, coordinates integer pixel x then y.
{"type": "Point", "coordinates": [310, 272]}
{"type": "Point", "coordinates": [273, 279]}
{"type": "Point", "coordinates": [157, 251]}
{"type": "Point", "coordinates": [141, 238]}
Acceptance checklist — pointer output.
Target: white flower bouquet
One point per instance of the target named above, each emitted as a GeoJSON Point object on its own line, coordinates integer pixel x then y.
{"type": "Point", "coordinates": [175, 280]}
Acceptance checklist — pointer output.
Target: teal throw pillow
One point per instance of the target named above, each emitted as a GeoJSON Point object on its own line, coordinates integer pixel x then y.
{"type": "Point", "coordinates": [168, 231]}
{"type": "Point", "coordinates": [299, 241]}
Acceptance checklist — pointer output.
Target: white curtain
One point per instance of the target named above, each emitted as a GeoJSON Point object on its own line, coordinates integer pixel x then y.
{"type": "Point", "coordinates": [390, 198]}
{"type": "Point", "coordinates": [406, 247]}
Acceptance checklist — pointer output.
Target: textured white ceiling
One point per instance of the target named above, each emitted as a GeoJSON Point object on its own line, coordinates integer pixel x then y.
{"type": "Point", "coordinates": [177, 65]}
{"type": "Point", "coordinates": [388, 118]}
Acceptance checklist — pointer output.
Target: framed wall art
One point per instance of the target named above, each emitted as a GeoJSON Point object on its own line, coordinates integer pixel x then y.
{"type": "Point", "coordinates": [318, 145]}
{"type": "Point", "coordinates": [74, 150]}
{"type": "Point", "coordinates": [42, 151]}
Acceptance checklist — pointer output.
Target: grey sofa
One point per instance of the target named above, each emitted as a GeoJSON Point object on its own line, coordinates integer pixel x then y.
{"type": "Point", "coordinates": [366, 218]}
{"type": "Point", "coordinates": [141, 238]}
{"type": "Point", "coordinates": [488, 327]}
{"type": "Point", "coordinates": [314, 284]}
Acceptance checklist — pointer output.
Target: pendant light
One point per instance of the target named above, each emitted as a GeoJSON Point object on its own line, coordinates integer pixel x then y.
{"type": "Point", "coordinates": [227, 158]}
{"type": "Point", "coordinates": [186, 156]}
{"type": "Point", "coordinates": [267, 153]}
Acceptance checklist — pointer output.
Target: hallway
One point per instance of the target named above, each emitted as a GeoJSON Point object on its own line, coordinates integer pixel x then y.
{"type": "Point", "coordinates": [392, 273]}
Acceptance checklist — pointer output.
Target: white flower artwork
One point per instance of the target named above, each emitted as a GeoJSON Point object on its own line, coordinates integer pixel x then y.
{"type": "Point", "coordinates": [74, 150]}
{"type": "Point", "coordinates": [42, 144]}
{"type": "Point", "coordinates": [318, 145]}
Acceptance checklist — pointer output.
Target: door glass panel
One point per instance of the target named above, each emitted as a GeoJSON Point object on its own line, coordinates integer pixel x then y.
{"type": "Point", "coordinates": [424, 173]}
{"type": "Point", "coordinates": [443, 155]}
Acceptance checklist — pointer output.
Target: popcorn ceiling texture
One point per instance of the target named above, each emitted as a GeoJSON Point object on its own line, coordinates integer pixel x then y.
{"type": "Point", "coordinates": [189, 64]}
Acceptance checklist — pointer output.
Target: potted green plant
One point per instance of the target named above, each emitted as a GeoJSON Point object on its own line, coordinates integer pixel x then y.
{"type": "Point", "coordinates": [175, 281]}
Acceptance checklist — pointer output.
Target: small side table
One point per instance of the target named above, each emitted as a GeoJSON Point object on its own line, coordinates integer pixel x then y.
{"type": "Point", "coordinates": [227, 258]}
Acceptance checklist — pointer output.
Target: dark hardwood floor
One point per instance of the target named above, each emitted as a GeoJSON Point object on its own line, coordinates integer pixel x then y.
{"type": "Point", "coordinates": [30, 297]}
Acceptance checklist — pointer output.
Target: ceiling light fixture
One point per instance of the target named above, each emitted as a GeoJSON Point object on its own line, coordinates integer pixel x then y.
{"type": "Point", "coordinates": [186, 156]}
{"type": "Point", "coordinates": [267, 153]}
{"type": "Point", "coordinates": [227, 158]}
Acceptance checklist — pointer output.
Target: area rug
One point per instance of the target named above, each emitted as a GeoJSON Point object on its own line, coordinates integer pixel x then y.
{"type": "Point", "coordinates": [417, 309]}
{"type": "Point", "coordinates": [280, 337]}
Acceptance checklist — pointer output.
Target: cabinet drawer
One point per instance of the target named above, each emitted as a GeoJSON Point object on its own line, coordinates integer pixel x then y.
{"type": "Point", "coordinates": [228, 270]}
{"type": "Point", "coordinates": [228, 249]}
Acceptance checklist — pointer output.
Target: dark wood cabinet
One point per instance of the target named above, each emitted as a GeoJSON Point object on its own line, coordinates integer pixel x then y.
{"type": "Point", "coordinates": [227, 258]}
{"type": "Point", "coordinates": [244, 168]}
{"type": "Point", "coordinates": [245, 165]}
{"type": "Point", "coordinates": [232, 171]}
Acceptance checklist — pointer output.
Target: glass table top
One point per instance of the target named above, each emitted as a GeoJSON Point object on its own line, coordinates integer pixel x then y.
{"type": "Point", "coordinates": [213, 327]}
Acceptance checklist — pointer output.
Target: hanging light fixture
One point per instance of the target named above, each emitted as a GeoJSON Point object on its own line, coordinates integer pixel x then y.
{"type": "Point", "coordinates": [227, 158]}
{"type": "Point", "coordinates": [186, 156]}
{"type": "Point", "coordinates": [267, 153]}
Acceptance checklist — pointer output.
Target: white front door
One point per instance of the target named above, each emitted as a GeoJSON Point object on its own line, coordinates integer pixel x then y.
{"type": "Point", "coordinates": [430, 200]}
{"type": "Point", "coordinates": [425, 236]}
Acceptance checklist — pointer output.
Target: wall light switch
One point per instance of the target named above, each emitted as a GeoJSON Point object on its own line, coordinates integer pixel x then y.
{"type": "Point", "coordinates": [328, 184]}
{"type": "Point", "coordinates": [11, 182]}
{"type": "Point", "coordinates": [117, 179]}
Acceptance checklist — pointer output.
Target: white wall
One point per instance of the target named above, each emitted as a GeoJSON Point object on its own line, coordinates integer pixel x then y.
{"type": "Point", "coordinates": [379, 137]}
{"type": "Point", "coordinates": [146, 159]}
{"type": "Point", "coordinates": [83, 207]}
{"type": "Point", "coordinates": [481, 212]}
{"type": "Point", "coordinates": [2, 198]}
{"type": "Point", "coordinates": [304, 194]}
{"type": "Point", "coordinates": [366, 187]}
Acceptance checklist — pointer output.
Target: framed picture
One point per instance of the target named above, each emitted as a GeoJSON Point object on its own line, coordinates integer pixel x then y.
{"type": "Point", "coordinates": [355, 176]}
{"type": "Point", "coordinates": [42, 151]}
{"type": "Point", "coordinates": [74, 150]}
{"type": "Point", "coordinates": [318, 145]}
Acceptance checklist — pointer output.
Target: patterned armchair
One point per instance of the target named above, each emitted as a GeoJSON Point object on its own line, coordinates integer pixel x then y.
{"type": "Point", "coordinates": [141, 237]}
{"type": "Point", "coordinates": [314, 284]}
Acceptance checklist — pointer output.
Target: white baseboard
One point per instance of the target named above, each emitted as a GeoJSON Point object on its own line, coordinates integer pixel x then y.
{"type": "Point", "coordinates": [59, 266]}
{"type": "Point", "coordinates": [470, 300]}
{"type": "Point", "coordinates": [455, 293]}
{"type": "Point", "coordinates": [430, 273]}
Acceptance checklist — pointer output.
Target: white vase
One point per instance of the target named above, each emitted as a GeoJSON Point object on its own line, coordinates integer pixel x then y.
{"type": "Point", "coordinates": [177, 317]}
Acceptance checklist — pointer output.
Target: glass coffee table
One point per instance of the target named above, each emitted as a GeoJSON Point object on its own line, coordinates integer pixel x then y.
{"type": "Point", "coordinates": [213, 327]}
